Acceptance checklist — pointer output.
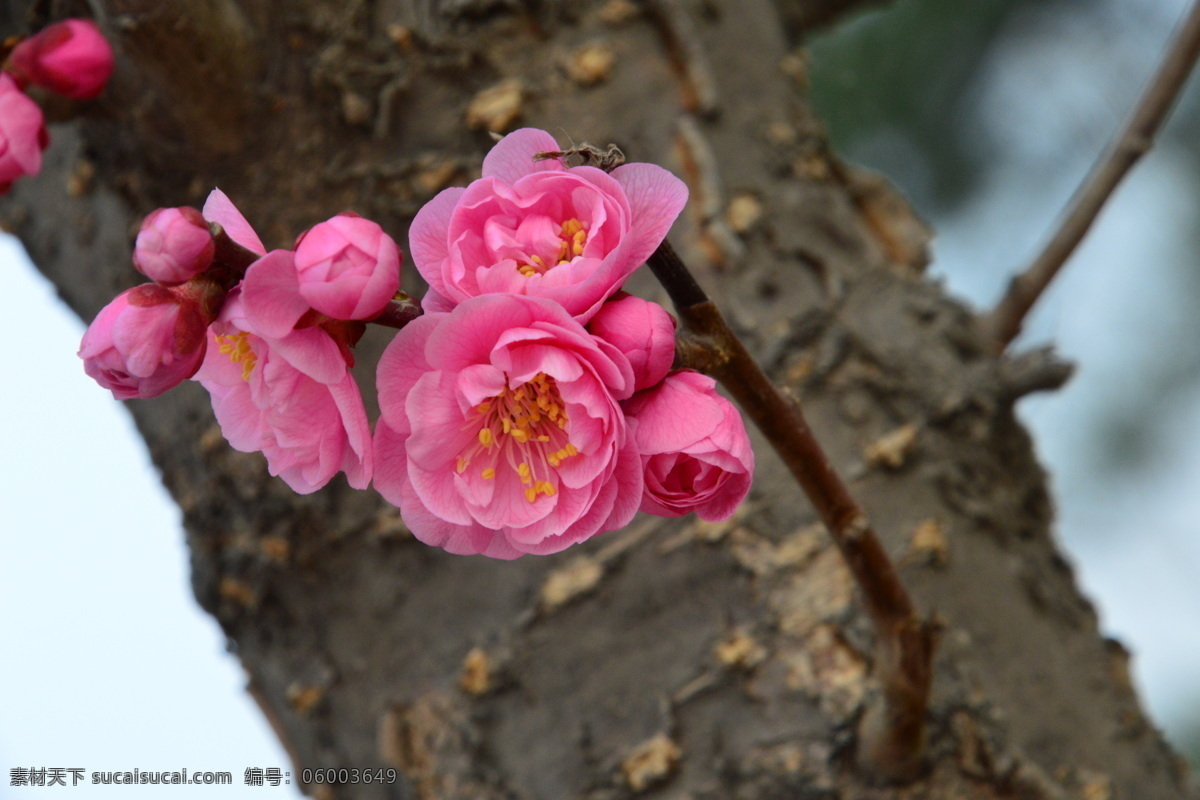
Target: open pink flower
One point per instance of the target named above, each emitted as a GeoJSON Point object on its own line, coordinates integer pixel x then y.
{"type": "Point", "coordinates": [539, 228]}
{"type": "Point", "coordinates": [501, 431]}
{"type": "Point", "coordinates": [22, 133]}
{"type": "Point", "coordinates": [284, 388]}
{"type": "Point", "coordinates": [173, 245]}
{"type": "Point", "coordinates": [643, 331]}
{"type": "Point", "coordinates": [71, 57]}
{"type": "Point", "coordinates": [348, 267]}
{"type": "Point", "coordinates": [146, 341]}
{"type": "Point", "coordinates": [694, 447]}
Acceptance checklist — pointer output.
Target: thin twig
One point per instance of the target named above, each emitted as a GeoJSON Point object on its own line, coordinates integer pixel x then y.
{"type": "Point", "coordinates": [398, 313]}
{"type": "Point", "coordinates": [891, 737]}
{"type": "Point", "coordinates": [7, 46]}
{"type": "Point", "coordinates": [228, 253]}
{"type": "Point", "coordinates": [1134, 139]}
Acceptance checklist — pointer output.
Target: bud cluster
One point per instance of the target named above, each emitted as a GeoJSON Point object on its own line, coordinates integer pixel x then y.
{"type": "Point", "coordinates": [276, 363]}
{"type": "Point", "coordinates": [532, 405]}
{"type": "Point", "coordinates": [71, 58]}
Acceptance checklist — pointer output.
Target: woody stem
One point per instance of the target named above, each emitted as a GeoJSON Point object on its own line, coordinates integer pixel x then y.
{"type": "Point", "coordinates": [891, 735]}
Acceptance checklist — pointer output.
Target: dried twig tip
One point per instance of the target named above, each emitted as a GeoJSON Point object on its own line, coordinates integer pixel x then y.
{"type": "Point", "coordinates": [589, 155]}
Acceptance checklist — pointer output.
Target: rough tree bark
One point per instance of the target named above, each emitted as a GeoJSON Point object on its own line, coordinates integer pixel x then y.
{"type": "Point", "coordinates": [671, 659]}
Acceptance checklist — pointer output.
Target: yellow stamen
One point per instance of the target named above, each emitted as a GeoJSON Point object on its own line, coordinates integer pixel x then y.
{"type": "Point", "coordinates": [237, 347]}
{"type": "Point", "coordinates": [523, 423]}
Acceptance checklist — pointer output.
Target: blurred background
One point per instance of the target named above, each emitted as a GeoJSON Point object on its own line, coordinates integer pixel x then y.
{"type": "Point", "coordinates": [986, 114]}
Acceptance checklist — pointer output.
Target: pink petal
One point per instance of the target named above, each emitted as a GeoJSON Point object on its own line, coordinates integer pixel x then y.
{"type": "Point", "coordinates": [673, 416]}
{"type": "Point", "coordinates": [628, 478]}
{"type": "Point", "coordinates": [220, 209]}
{"type": "Point", "coordinates": [401, 366]}
{"type": "Point", "coordinates": [512, 158]}
{"type": "Point", "coordinates": [271, 295]}
{"type": "Point", "coordinates": [655, 198]}
{"type": "Point", "coordinates": [439, 430]}
{"type": "Point", "coordinates": [391, 462]}
{"type": "Point", "coordinates": [479, 323]}
{"type": "Point", "coordinates": [358, 459]}
{"type": "Point", "coordinates": [726, 499]}
{"type": "Point", "coordinates": [433, 302]}
{"type": "Point", "coordinates": [428, 237]}
{"type": "Point", "coordinates": [313, 352]}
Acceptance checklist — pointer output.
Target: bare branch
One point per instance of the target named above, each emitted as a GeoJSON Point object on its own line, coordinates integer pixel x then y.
{"type": "Point", "coordinates": [1134, 139]}
{"type": "Point", "coordinates": [892, 736]}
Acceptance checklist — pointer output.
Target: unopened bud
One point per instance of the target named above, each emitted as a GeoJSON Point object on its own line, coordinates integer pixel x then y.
{"type": "Point", "coordinates": [174, 245]}
{"type": "Point", "coordinates": [70, 57]}
{"type": "Point", "coordinates": [146, 341]}
{"type": "Point", "coordinates": [348, 267]}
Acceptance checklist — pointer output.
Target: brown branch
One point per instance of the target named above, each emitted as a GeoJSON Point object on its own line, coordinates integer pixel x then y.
{"type": "Point", "coordinates": [7, 46]}
{"type": "Point", "coordinates": [1134, 139]}
{"type": "Point", "coordinates": [398, 313]}
{"type": "Point", "coordinates": [229, 254]}
{"type": "Point", "coordinates": [891, 736]}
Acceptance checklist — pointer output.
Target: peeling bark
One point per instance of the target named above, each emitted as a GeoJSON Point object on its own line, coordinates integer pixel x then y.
{"type": "Point", "coordinates": [673, 659]}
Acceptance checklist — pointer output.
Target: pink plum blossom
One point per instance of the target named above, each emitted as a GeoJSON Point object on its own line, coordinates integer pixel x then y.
{"type": "Point", "coordinates": [501, 431]}
{"type": "Point", "coordinates": [643, 331]}
{"type": "Point", "coordinates": [174, 245]}
{"type": "Point", "coordinates": [146, 341]}
{"type": "Point", "coordinates": [283, 387]}
{"type": "Point", "coordinates": [694, 447]}
{"type": "Point", "coordinates": [348, 267]}
{"type": "Point", "coordinates": [71, 58]}
{"type": "Point", "coordinates": [539, 228]}
{"type": "Point", "coordinates": [22, 133]}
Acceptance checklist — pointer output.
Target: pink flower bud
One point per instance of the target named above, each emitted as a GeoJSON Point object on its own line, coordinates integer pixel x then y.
{"type": "Point", "coordinates": [22, 134]}
{"type": "Point", "coordinates": [694, 447]}
{"type": "Point", "coordinates": [174, 245]}
{"type": "Point", "coordinates": [348, 267]}
{"type": "Point", "coordinates": [146, 341]}
{"type": "Point", "coordinates": [643, 331]}
{"type": "Point", "coordinates": [70, 57]}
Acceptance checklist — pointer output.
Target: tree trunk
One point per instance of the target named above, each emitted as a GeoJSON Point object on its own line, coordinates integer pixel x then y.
{"type": "Point", "coordinates": [673, 658]}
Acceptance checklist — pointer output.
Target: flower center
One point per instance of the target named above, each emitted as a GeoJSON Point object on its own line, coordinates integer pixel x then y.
{"type": "Point", "coordinates": [237, 347]}
{"type": "Point", "coordinates": [572, 238]}
{"type": "Point", "coordinates": [525, 430]}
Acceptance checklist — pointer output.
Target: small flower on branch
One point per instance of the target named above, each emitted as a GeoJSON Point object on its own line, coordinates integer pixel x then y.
{"type": "Point", "coordinates": [501, 431]}
{"type": "Point", "coordinates": [281, 385]}
{"type": "Point", "coordinates": [146, 341]}
{"type": "Point", "coordinates": [173, 245]}
{"type": "Point", "coordinates": [540, 228]}
{"type": "Point", "coordinates": [71, 58]}
{"type": "Point", "coordinates": [694, 448]}
{"type": "Point", "coordinates": [348, 267]}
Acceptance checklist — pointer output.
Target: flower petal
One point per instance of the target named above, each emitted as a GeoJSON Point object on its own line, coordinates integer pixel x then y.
{"type": "Point", "coordinates": [220, 209]}
{"type": "Point", "coordinates": [512, 158]}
